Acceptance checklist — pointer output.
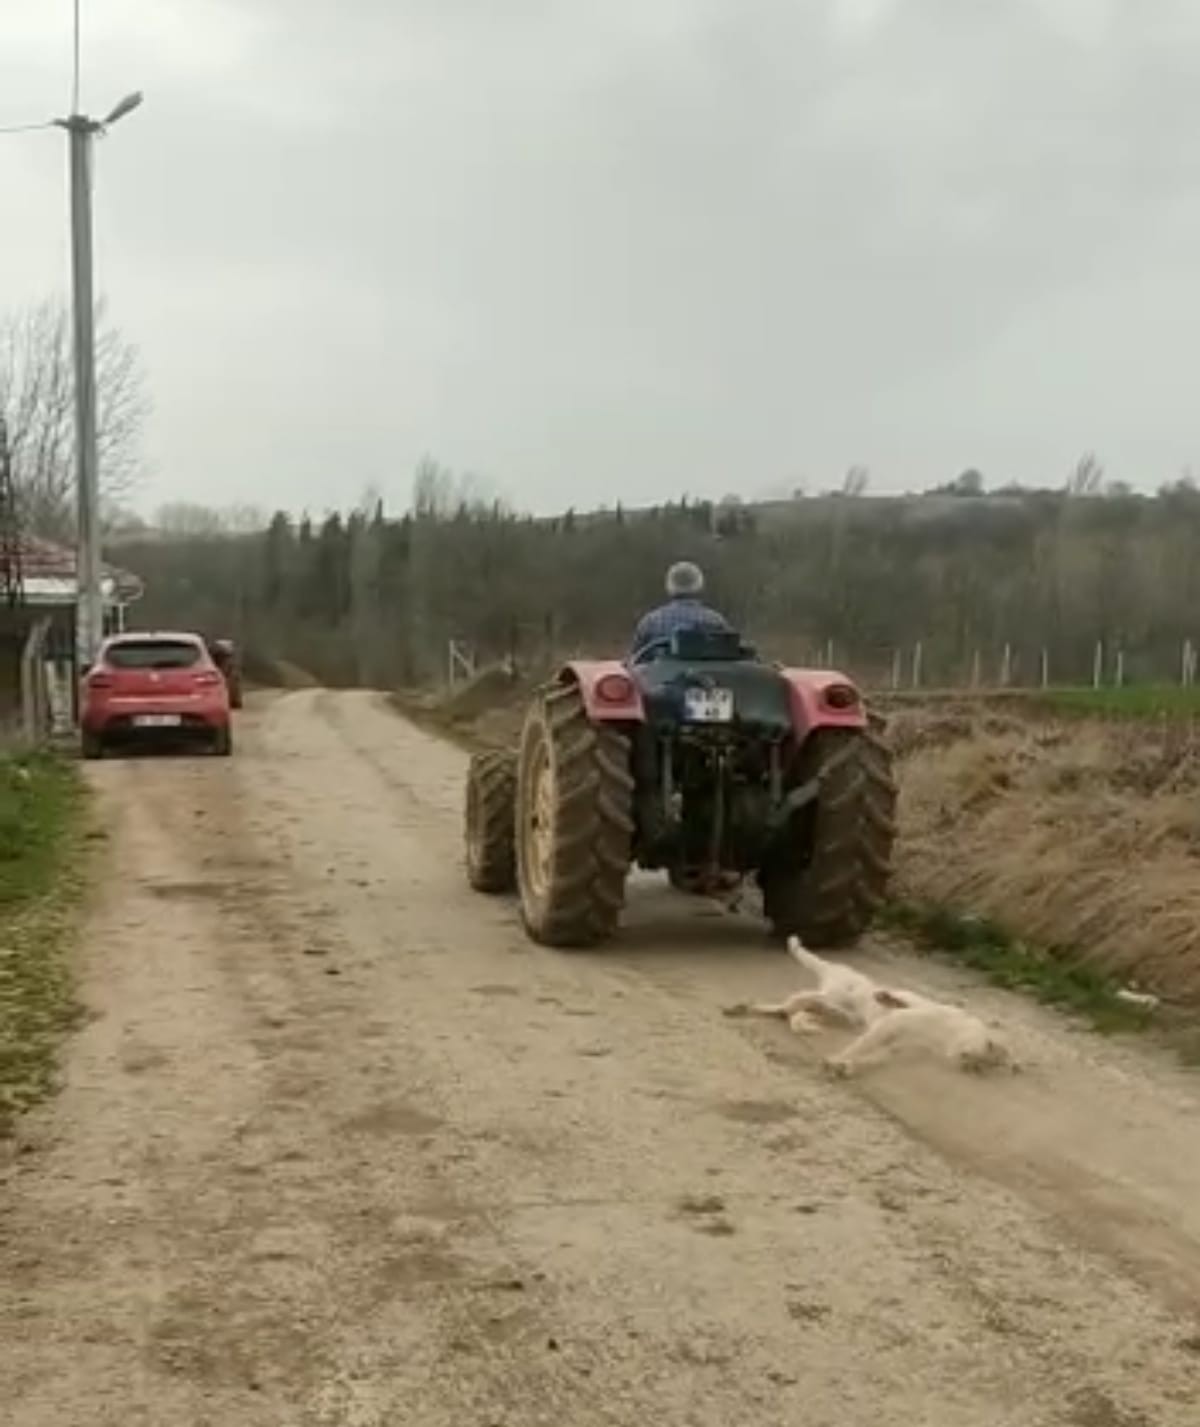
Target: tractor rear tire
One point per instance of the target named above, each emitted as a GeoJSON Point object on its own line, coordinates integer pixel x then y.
{"type": "Point", "coordinates": [828, 887]}
{"type": "Point", "coordinates": [491, 801]}
{"type": "Point", "coordinates": [574, 822]}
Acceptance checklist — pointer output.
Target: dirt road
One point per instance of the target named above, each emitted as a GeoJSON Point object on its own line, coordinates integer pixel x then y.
{"type": "Point", "coordinates": [338, 1146]}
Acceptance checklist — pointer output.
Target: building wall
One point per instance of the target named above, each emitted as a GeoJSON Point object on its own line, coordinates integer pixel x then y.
{"type": "Point", "coordinates": [15, 627]}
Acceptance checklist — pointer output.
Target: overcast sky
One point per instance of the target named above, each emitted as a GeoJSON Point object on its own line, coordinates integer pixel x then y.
{"type": "Point", "coordinates": [625, 248]}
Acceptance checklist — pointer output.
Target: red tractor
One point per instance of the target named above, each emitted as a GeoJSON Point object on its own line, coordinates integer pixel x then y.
{"type": "Point", "coordinates": [700, 759]}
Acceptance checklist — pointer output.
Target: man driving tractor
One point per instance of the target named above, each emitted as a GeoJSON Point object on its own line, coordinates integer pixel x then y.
{"type": "Point", "coordinates": [684, 610]}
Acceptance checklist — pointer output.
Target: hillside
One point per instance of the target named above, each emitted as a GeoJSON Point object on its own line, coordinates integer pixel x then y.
{"type": "Point", "coordinates": [369, 599]}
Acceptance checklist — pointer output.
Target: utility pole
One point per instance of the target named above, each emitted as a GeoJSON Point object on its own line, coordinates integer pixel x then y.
{"type": "Point", "coordinates": [89, 619]}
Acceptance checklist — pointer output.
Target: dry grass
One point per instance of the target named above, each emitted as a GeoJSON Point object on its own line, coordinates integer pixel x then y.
{"type": "Point", "coordinates": [1079, 836]}
{"type": "Point", "coordinates": [486, 712]}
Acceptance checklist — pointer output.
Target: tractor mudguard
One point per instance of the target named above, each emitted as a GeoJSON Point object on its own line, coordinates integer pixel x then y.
{"type": "Point", "coordinates": [823, 698]}
{"type": "Point", "coordinates": [609, 693]}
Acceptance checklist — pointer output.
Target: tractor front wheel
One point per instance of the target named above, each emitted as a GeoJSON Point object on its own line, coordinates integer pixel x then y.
{"type": "Point", "coordinates": [574, 822]}
{"type": "Point", "coordinates": [491, 797]}
{"type": "Point", "coordinates": [830, 878]}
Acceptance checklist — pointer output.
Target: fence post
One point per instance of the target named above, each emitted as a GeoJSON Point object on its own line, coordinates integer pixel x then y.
{"type": "Point", "coordinates": [829, 654]}
{"type": "Point", "coordinates": [1187, 664]}
{"type": "Point", "coordinates": [976, 670]}
{"type": "Point", "coordinates": [917, 660]}
{"type": "Point", "coordinates": [897, 667]}
{"type": "Point", "coordinates": [1006, 667]}
{"type": "Point", "coordinates": [1120, 669]}
{"type": "Point", "coordinates": [459, 660]}
{"type": "Point", "coordinates": [1098, 664]}
{"type": "Point", "coordinates": [1045, 668]}
{"type": "Point", "coordinates": [34, 699]}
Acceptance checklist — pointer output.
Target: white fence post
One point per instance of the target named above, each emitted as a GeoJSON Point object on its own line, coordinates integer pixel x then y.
{"type": "Point", "coordinates": [1098, 664]}
{"type": "Point", "coordinates": [34, 700]}
{"type": "Point", "coordinates": [918, 657]}
{"type": "Point", "coordinates": [1006, 667]}
{"type": "Point", "coordinates": [459, 660]}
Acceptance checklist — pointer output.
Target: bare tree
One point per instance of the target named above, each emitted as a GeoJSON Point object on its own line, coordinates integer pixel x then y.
{"type": "Point", "coordinates": [36, 397]}
{"type": "Point", "coordinates": [1088, 476]}
{"type": "Point", "coordinates": [856, 481]}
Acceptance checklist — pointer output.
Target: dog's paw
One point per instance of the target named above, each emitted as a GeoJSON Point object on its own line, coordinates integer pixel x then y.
{"type": "Point", "coordinates": [803, 1024]}
{"type": "Point", "coordinates": [740, 1009]}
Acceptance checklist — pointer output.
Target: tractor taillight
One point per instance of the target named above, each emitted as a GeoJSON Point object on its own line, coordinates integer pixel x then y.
{"type": "Point", "coordinates": [841, 696]}
{"type": "Point", "coordinates": [614, 689]}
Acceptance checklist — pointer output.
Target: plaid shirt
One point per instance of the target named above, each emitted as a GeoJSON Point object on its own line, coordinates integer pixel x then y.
{"type": "Point", "coordinates": [682, 613]}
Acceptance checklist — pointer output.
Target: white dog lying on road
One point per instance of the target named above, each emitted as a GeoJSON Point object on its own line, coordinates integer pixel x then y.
{"type": "Point", "coordinates": [891, 1021]}
{"type": "Point", "coordinates": [842, 995]}
{"type": "Point", "coordinates": [911, 1023]}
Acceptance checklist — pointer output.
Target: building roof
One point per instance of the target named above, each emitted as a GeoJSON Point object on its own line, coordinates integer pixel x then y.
{"type": "Point", "coordinates": [48, 575]}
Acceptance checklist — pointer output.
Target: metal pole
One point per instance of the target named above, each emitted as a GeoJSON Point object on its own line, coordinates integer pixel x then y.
{"type": "Point", "coordinates": [90, 608]}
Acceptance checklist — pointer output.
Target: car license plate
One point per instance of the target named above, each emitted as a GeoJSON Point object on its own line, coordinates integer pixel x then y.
{"type": "Point", "coordinates": [156, 721]}
{"type": "Point", "coordinates": [708, 705]}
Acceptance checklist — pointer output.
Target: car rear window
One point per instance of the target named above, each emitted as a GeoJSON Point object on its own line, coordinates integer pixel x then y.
{"type": "Point", "coordinates": [153, 654]}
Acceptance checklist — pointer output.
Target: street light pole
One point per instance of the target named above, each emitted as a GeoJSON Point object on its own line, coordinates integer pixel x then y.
{"type": "Point", "coordinates": [89, 618]}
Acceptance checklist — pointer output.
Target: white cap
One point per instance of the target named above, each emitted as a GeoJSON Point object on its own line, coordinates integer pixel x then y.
{"type": "Point", "coordinates": [684, 578]}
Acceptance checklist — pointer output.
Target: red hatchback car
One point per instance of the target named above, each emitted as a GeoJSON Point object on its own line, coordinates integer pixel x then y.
{"type": "Point", "coordinates": [150, 686]}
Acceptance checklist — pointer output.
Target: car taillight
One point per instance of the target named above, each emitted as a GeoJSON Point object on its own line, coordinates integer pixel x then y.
{"type": "Point", "coordinates": [614, 689]}
{"type": "Point", "coordinates": [207, 678]}
{"type": "Point", "coordinates": [99, 681]}
{"type": "Point", "coordinates": [841, 696]}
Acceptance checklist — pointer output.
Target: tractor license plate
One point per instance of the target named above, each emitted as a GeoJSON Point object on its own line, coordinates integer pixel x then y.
{"type": "Point", "coordinates": [708, 705]}
{"type": "Point", "coordinates": [156, 721]}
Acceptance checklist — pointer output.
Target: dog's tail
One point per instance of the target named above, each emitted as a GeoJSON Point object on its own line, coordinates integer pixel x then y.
{"type": "Point", "coordinates": [799, 952]}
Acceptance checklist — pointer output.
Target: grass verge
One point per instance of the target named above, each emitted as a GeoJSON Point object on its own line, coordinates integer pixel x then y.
{"type": "Point", "coordinates": [1014, 964]}
{"type": "Point", "coordinates": [1131, 701]}
{"type": "Point", "coordinates": [41, 881]}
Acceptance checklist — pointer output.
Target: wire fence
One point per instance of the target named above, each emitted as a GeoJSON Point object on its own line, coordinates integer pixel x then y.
{"type": "Point", "coordinates": [922, 665]}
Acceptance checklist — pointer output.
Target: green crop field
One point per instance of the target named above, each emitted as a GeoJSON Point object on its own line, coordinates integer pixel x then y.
{"type": "Point", "coordinates": [1132, 701]}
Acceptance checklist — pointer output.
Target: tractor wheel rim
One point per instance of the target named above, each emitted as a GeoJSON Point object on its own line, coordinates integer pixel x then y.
{"type": "Point", "coordinates": [539, 831]}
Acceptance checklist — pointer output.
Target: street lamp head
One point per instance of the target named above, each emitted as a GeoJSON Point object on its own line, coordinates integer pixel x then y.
{"type": "Point", "coordinates": [126, 106]}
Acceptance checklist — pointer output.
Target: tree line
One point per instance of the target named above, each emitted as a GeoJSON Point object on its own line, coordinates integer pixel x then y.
{"type": "Point", "coordinates": [370, 598]}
